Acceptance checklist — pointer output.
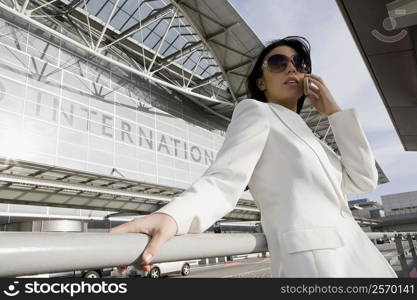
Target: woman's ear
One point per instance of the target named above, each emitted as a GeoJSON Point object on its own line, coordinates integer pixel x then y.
{"type": "Point", "coordinates": [260, 83]}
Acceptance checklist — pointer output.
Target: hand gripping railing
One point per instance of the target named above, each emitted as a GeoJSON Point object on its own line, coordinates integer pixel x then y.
{"type": "Point", "coordinates": [28, 253]}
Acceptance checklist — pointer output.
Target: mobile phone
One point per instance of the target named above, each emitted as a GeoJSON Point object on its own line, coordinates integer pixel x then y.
{"type": "Point", "coordinates": [306, 86]}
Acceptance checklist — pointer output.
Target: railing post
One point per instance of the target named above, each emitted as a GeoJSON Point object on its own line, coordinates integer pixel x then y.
{"type": "Point", "coordinates": [401, 255]}
{"type": "Point", "coordinates": [412, 249]}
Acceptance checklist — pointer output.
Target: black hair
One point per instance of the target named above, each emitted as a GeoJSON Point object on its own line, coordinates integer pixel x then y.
{"type": "Point", "coordinates": [299, 44]}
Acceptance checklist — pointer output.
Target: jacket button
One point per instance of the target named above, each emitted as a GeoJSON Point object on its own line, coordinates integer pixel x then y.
{"type": "Point", "coordinates": [344, 214]}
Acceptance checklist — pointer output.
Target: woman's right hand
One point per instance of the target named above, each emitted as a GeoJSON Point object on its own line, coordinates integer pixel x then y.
{"type": "Point", "coordinates": [161, 227]}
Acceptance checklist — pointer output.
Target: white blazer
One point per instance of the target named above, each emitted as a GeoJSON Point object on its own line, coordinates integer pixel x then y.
{"type": "Point", "coordinates": [300, 187]}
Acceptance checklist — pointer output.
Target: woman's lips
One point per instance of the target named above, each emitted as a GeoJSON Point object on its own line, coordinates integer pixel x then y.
{"type": "Point", "coordinates": [291, 83]}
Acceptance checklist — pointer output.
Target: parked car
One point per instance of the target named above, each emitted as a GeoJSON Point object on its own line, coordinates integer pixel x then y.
{"type": "Point", "coordinates": [162, 269]}
{"type": "Point", "coordinates": [383, 240]}
{"type": "Point", "coordinates": [97, 273]}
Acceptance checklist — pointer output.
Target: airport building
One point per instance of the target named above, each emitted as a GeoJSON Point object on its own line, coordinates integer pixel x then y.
{"type": "Point", "coordinates": [400, 212]}
{"type": "Point", "coordinates": [108, 109]}
{"type": "Point", "coordinates": [400, 203]}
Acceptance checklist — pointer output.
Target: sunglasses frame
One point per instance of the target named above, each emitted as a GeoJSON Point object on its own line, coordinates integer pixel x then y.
{"type": "Point", "coordinates": [302, 68]}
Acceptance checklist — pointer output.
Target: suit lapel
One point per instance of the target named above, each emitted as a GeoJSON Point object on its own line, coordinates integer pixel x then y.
{"type": "Point", "coordinates": [297, 125]}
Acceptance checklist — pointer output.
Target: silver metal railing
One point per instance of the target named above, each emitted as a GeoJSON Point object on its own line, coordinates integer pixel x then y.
{"type": "Point", "coordinates": [28, 253]}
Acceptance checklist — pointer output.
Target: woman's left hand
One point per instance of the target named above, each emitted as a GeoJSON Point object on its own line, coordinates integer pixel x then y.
{"type": "Point", "coordinates": [324, 101]}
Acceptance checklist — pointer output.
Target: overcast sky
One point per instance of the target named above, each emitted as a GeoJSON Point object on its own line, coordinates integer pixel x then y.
{"type": "Point", "coordinates": [337, 60]}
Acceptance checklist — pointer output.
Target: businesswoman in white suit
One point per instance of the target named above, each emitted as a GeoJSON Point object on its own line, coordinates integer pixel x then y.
{"type": "Point", "coordinates": [298, 183]}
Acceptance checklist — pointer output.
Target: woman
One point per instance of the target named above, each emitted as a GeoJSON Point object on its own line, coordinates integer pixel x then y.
{"type": "Point", "coordinates": [298, 183]}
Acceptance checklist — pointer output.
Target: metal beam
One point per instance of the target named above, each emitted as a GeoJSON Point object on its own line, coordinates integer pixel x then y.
{"type": "Point", "coordinates": [39, 7]}
{"type": "Point", "coordinates": [73, 5]}
{"type": "Point", "coordinates": [78, 187]}
{"type": "Point", "coordinates": [211, 78]}
{"type": "Point", "coordinates": [112, 61]}
{"type": "Point", "coordinates": [181, 5]}
{"type": "Point", "coordinates": [145, 22]}
{"type": "Point", "coordinates": [184, 51]}
{"type": "Point", "coordinates": [24, 6]}
{"type": "Point", "coordinates": [107, 24]}
{"type": "Point", "coordinates": [221, 31]}
{"type": "Point", "coordinates": [235, 67]}
{"type": "Point", "coordinates": [231, 49]}
{"type": "Point", "coordinates": [162, 39]}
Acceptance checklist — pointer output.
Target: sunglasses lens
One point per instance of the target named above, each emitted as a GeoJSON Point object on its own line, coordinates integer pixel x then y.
{"type": "Point", "coordinates": [299, 63]}
{"type": "Point", "coordinates": [277, 63]}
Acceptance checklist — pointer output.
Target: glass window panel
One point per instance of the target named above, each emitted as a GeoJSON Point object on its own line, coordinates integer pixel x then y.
{"type": "Point", "coordinates": [39, 111]}
{"type": "Point", "coordinates": [104, 129]}
{"type": "Point", "coordinates": [146, 155]}
{"type": "Point", "coordinates": [104, 11]}
{"type": "Point", "coordinates": [99, 169]}
{"type": "Point", "coordinates": [39, 127]}
{"type": "Point", "coordinates": [126, 137]}
{"type": "Point", "coordinates": [165, 160]}
{"type": "Point", "coordinates": [105, 105]}
{"type": "Point", "coordinates": [13, 36]}
{"type": "Point", "coordinates": [42, 49]}
{"type": "Point", "coordinates": [146, 119]}
{"type": "Point", "coordinates": [181, 164]}
{"type": "Point", "coordinates": [100, 91]}
{"type": "Point", "coordinates": [71, 164]}
{"type": "Point", "coordinates": [39, 158]}
{"type": "Point", "coordinates": [166, 181]}
{"type": "Point", "coordinates": [44, 83]}
{"type": "Point", "coordinates": [73, 136]}
{"type": "Point", "coordinates": [72, 150]}
{"type": "Point", "coordinates": [73, 63]}
{"type": "Point", "coordinates": [14, 57]}
{"type": "Point", "coordinates": [38, 96]}
{"type": "Point", "coordinates": [77, 82]}
{"type": "Point", "coordinates": [126, 125]}
{"type": "Point", "coordinates": [98, 75]}
{"type": "Point", "coordinates": [125, 107]}
{"type": "Point", "coordinates": [151, 178]}
{"type": "Point", "coordinates": [126, 150]}
{"type": "Point", "coordinates": [148, 168]}
{"type": "Point", "coordinates": [13, 72]}
{"type": "Point", "coordinates": [126, 162]}
{"type": "Point", "coordinates": [13, 88]}
{"type": "Point", "coordinates": [100, 157]}
{"type": "Point", "coordinates": [39, 143]}
{"type": "Point", "coordinates": [119, 19]}
{"type": "Point", "coordinates": [40, 68]}
{"type": "Point", "coordinates": [166, 172]}
{"type": "Point", "coordinates": [75, 108]}
{"type": "Point", "coordinates": [182, 175]}
{"type": "Point", "coordinates": [74, 122]}
{"type": "Point", "coordinates": [9, 120]}
{"type": "Point", "coordinates": [100, 143]}
{"type": "Point", "coordinates": [75, 95]}
{"type": "Point", "coordinates": [10, 103]}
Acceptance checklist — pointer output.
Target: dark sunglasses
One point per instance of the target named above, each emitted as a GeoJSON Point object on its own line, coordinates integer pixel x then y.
{"type": "Point", "coordinates": [278, 63]}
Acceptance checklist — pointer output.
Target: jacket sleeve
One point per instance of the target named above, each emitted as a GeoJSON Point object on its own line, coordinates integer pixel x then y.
{"type": "Point", "coordinates": [359, 172]}
{"type": "Point", "coordinates": [217, 191]}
